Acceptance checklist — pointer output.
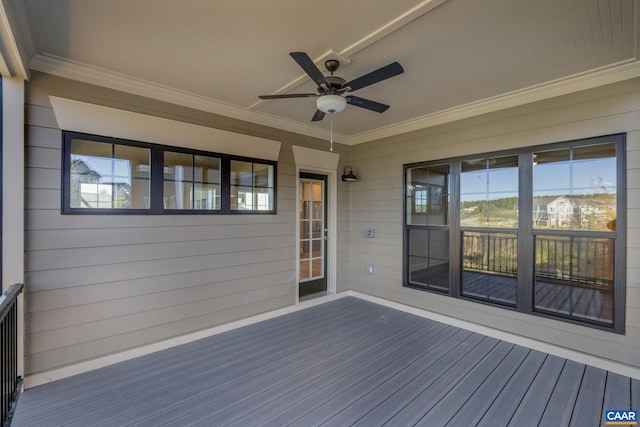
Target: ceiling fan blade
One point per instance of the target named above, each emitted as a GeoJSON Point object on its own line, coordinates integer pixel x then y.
{"type": "Point", "coordinates": [310, 68]}
{"type": "Point", "coordinates": [319, 115]}
{"type": "Point", "coordinates": [376, 76]}
{"type": "Point", "coordinates": [290, 95]}
{"type": "Point", "coordinates": [366, 103]}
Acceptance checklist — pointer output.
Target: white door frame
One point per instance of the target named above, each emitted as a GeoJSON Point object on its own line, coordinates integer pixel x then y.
{"type": "Point", "coordinates": [322, 163]}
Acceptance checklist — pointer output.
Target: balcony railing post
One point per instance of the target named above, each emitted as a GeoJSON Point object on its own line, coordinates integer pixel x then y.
{"type": "Point", "coordinates": [10, 379]}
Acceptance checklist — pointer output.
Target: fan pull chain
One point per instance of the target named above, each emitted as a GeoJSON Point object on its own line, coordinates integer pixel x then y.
{"type": "Point", "coordinates": [331, 124]}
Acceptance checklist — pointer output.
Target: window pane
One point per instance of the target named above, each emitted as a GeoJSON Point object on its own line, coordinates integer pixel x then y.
{"type": "Point", "coordinates": [263, 175]}
{"type": "Point", "coordinates": [305, 269]}
{"type": "Point", "coordinates": [574, 276]}
{"type": "Point", "coordinates": [246, 194]}
{"type": "Point", "coordinates": [575, 188]}
{"type": "Point", "coordinates": [263, 199]}
{"type": "Point", "coordinates": [429, 258]}
{"type": "Point", "coordinates": [177, 195]}
{"type": "Point", "coordinates": [206, 196]}
{"type": "Point", "coordinates": [178, 180]}
{"type": "Point", "coordinates": [489, 192]}
{"type": "Point", "coordinates": [241, 173]}
{"type": "Point", "coordinates": [490, 266]}
{"type": "Point", "coordinates": [241, 198]}
{"type": "Point", "coordinates": [206, 169]}
{"type": "Point", "coordinates": [178, 166]}
{"type": "Point", "coordinates": [191, 182]}
{"type": "Point", "coordinates": [108, 176]}
{"type": "Point", "coordinates": [428, 195]}
{"type": "Point", "coordinates": [305, 193]}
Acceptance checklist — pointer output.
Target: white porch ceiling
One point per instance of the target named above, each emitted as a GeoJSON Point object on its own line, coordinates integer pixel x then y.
{"type": "Point", "coordinates": [461, 57]}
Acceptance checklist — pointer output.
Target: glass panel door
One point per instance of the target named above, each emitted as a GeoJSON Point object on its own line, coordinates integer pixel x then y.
{"type": "Point", "coordinates": [313, 234]}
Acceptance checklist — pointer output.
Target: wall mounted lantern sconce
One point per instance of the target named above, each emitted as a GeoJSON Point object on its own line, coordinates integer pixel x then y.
{"type": "Point", "coordinates": [349, 176]}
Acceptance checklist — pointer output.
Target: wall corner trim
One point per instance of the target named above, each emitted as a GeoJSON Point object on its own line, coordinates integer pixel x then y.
{"type": "Point", "coordinates": [95, 119]}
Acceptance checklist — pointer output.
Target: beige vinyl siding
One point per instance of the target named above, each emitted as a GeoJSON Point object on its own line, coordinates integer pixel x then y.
{"type": "Point", "coordinates": [101, 284]}
{"type": "Point", "coordinates": [376, 201]}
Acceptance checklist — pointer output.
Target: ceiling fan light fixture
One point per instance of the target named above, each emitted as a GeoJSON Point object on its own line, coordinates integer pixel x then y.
{"type": "Point", "coordinates": [331, 103]}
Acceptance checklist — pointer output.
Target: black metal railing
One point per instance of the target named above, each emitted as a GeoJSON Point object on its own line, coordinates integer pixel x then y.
{"type": "Point", "coordinates": [490, 253]}
{"type": "Point", "coordinates": [578, 261]}
{"type": "Point", "coordinates": [582, 261]}
{"type": "Point", "coordinates": [10, 380]}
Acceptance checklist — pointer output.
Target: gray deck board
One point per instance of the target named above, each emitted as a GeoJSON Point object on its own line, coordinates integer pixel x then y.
{"type": "Point", "coordinates": [617, 392]}
{"type": "Point", "coordinates": [347, 353]}
{"type": "Point", "coordinates": [457, 399]}
{"type": "Point", "coordinates": [505, 404]}
{"type": "Point", "coordinates": [288, 406]}
{"type": "Point", "coordinates": [428, 365]}
{"type": "Point", "coordinates": [391, 404]}
{"type": "Point", "coordinates": [472, 410]}
{"type": "Point", "coordinates": [535, 400]}
{"type": "Point", "coordinates": [346, 362]}
{"type": "Point", "coordinates": [562, 400]}
{"type": "Point", "coordinates": [413, 412]}
{"type": "Point", "coordinates": [588, 409]}
{"type": "Point", "coordinates": [353, 389]}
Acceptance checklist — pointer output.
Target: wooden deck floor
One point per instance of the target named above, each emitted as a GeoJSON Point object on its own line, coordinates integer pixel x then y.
{"type": "Point", "coordinates": [346, 362]}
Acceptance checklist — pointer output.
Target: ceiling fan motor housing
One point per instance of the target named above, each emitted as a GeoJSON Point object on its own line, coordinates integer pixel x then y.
{"type": "Point", "coordinates": [335, 84]}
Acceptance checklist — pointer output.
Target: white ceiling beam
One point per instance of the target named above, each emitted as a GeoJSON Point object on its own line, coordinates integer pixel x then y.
{"type": "Point", "coordinates": [391, 26]}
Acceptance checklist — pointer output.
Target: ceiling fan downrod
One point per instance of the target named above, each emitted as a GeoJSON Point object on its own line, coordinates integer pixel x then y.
{"type": "Point", "coordinates": [331, 132]}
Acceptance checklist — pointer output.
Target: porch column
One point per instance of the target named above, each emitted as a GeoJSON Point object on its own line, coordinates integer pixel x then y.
{"type": "Point", "coordinates": [13, 171]}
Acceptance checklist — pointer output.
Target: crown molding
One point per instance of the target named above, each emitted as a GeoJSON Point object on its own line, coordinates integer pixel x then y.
{"type": "Point", "coordinates": [587, 80]}
{"type": "Point", "coordinates": [94, 75]}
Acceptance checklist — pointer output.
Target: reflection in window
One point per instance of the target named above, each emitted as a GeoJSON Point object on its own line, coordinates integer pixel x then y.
{"type": "Point", "coordinates": [489, 192]}
{"type": "Point", "coordinates": [428, 195]}
{"type": "Point", "coordinates": [108, 176]}
{"type": "Point", "coordinates": [574, 276]}
{"type": "Point", "coordinates": [252, 186]}
{"type": "Point", "coordinates": [191, 181]}
{"type": "Point", "coordinates": [575, 188]}
{"type": "Point", "coordinates": [490, 266]}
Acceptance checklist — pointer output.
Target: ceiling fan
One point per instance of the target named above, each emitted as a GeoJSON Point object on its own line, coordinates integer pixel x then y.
{"type": "Point", "coordinates": [333, 91]}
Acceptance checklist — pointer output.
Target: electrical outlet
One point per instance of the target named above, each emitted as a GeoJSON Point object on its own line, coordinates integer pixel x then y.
{"type": "Point", "coordinates": [369, 268]}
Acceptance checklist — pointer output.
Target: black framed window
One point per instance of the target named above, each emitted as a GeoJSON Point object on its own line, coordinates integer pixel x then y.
{"type": "Point", "coordinates": [539, 230]}
{"type": "Point", "coordinates": [427, 220]}
{"type": "Point", "coordinates": [114, 176]}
